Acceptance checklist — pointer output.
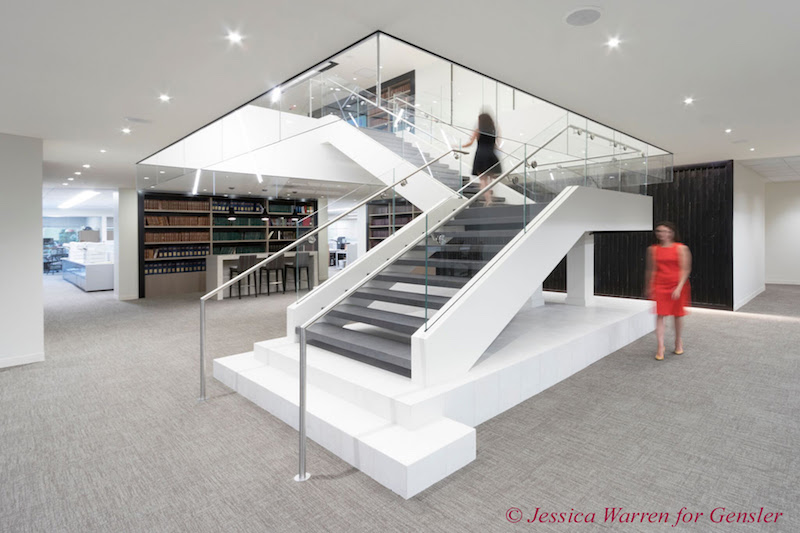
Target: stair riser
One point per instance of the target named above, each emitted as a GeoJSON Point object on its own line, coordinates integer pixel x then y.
{"type": "Point", "coordinates": [392, 326]}
{"type": "Point", "coordinates": [431, 281]}
{"type": "Point", "coordinates": [399, 301]}
{"type": "Point", "coordinates": [321, 343]}
{"type": "Point", "coordinates": [348, 390]}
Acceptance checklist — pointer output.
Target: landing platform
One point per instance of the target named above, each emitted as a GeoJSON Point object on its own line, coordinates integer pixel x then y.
{"type": "Point", "coordinates": [408, 437]}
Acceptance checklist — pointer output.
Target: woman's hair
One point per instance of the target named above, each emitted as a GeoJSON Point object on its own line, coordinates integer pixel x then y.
{"type": "Point", "coordinates": [670, 225]}
{"type": "Point", "coordinates": [486, 124]}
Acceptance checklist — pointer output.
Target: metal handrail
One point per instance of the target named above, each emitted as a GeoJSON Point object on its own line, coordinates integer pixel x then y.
{"type": "Point", "coordinates": [285, 249]}
{"type": "Point", "coordinates": [347, 293]}
{"type": "Point", "coordinates": [381, 108]}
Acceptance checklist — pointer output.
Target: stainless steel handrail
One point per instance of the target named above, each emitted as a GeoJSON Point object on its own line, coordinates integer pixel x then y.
{"type": "Point", "coordinates": [282, 251]}
{"type": "Point", "coordinates": [310, 322]}
{"type": "Point", "coordinates": [381, 108]}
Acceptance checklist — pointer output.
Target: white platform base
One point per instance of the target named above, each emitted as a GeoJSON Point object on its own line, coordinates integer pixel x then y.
{"type": "Point", "coordinates": [407, 437]}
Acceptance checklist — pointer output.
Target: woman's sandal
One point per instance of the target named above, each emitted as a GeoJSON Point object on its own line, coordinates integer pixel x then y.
{"type": "Point", "coordinates": [659, 356]}
{"type": "Point", "coordinates": [678, 352]}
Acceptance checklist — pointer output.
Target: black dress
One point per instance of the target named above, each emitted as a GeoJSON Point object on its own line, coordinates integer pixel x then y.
{"type": "Point", "coordinates": [485, 158]}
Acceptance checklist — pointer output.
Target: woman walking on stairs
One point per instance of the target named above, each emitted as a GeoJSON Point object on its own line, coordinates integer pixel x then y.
{"type": "Point", "coordinates": [485, 164]}
{"type": "Point", "coordinates": [667, 283]}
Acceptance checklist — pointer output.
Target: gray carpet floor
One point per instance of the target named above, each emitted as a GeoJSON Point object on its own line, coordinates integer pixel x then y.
{"type": "Point", "coordinates": [106, 435]}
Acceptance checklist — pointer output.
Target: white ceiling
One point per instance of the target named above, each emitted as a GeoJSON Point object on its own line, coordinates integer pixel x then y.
{"type": "Point", "coordinates": [776, 168]}
{"type": "Point", "coordinates": [52, 197]}
{"type": "Point", "coordinates": [73, 71]}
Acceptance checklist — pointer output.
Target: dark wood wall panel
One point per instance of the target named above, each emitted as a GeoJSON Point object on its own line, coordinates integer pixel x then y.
{"type": "Point", "coordinates": [700, 201]}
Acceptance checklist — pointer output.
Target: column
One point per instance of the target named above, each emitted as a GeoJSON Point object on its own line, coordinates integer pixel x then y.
{"type": "Point", "coordinates": [537, 300]}
{"type": "Point", "coordinates": [126, 249]}
{"type": "Point", "coordinates": [22, 304]}
{"type": "Point", "coordinates": [580, 271]}
{"type": "Point", "coordinates": [322, 239]}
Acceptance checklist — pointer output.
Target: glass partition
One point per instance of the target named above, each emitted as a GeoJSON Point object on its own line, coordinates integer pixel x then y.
{"type": "Point", "coordinates": [279, 148]}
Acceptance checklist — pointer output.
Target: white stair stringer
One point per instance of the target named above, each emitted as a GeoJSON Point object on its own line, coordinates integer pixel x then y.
{"type": "Point", "coordinates": [405, 459]}
{"type": "Point", "coordinates": [422, 189]}
{"type": "Point", "coordinates": [488, 302]}
{"type": "Point", "coordinates": [351, 277]}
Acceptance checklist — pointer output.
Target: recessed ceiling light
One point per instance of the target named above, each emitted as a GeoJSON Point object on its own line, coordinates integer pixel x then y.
{"type": "Point", "coordinates": [752, 149]}
{"type": "Point", "coordinates": [234, 37]}
{"type": "Point", "coordinates": [613, 42]}
{"type": "Point", "coordinates": [161, 171]}
{"type": "Point", "coordinates": [102, 151]}
{"type": "Point", "coordinates": [65, 183]}
{"type": "Point", "coordinates": [354, 79]}
{"type": "Point", "coordinates": [688, 101]}
{"type": "Point", "coordinates": [126, 130]}
{"type": "Point", "coordinates": [728, 130]}
{"type": "Point", "coordinates": [147, 177]}
{"type": "Point", "coordinates": [87, 166]}
{"type": "Point", "coordinates": [205, 190]}
{"type": "Point", "coordinates": [152, 186]}
{"type": "Point", "coordinates": [164, 97]}
{"type": "Point", "coordinates": [77, 173]}
{"type": "Point", "coordinates": [70, 179]}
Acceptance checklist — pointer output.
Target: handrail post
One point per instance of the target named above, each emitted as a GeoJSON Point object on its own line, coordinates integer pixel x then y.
{"type": "Point", "coordinates": [202, 351]}
{"type": "Point", "coordinates": [302, 475]}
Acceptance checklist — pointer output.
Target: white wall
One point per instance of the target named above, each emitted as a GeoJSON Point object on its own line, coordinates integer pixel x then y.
{"type": "Point", "coordinates": [345, 227]}
{"type": "Point", "coordinates": [783, 238]}
{"type": "Point", "coordinates": [21, 307]}
{"type": "Point", "coordinates": [749, 272]}
{"type": "Point", "coordinates": [126, 251]}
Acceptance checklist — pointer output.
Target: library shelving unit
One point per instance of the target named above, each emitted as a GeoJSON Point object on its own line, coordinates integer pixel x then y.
{"type": "Point", "coordinates": [180, 231]}
{"type": "Point", "coordinates": [384, 217]}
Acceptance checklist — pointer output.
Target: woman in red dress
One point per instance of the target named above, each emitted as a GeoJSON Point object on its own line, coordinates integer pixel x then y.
{"type": "Point", "coordinates": [668, 266]}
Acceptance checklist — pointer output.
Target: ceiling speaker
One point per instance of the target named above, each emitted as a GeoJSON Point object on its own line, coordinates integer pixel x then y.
{"type": "Point", "coordinates": [583, 16]}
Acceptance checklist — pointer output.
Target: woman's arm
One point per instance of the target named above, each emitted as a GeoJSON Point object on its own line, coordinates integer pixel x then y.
{"type": "Point", "coordinates": [648, 273]}
{"type": "Point", "coordinates": [472, 139]}
{"type": "Point", "coordinates": [685, 263]}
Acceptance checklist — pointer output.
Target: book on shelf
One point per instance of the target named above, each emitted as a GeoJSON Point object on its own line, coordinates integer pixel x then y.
{"type": "Point", "coordinates": [159, 204]}
{"type": "Point", "coordinates": [174, 267]}
{"type": "Point", "coordinates": [176, 236]}
{"type": "Point", "coordinates": [175, 220]}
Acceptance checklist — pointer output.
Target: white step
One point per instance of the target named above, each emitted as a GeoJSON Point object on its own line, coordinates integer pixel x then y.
{"type": "Point", "coordinates": [407, 461]}
{"type": "Point", "coordinates": [380, 392]}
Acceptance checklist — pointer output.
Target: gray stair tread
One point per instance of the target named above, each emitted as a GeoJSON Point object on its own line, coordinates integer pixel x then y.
{"type": "Point", "coordinates": [377, 316]}
{"type": "Point", "coordinates": [474, 211]}
{"type": "Point", "coordinates": [380, 348]}
{"type": "Point", "coordinates": [479, 233]}
{"type": "Point", "coordinates": [441, 262]}
{"type": "Point", "coordinates": [486, 220]}
{"type": "Point", "coordinates": [472, 248]}
{"type": "Point", "coordinates": [422, 279]}
{"type": "Point", "coordinates": [400, 297]}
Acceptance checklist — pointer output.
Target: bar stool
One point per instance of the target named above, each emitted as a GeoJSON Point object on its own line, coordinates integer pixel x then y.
{"type": "Point", "coordinates": [301, 261]}
{"type": "Point", "coordinates": [244, 262]}
{"type": "Point", "coordinates": [276, 266]}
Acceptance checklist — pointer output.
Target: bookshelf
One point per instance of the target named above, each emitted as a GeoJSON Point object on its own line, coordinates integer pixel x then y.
{"type": "Point", "coordinates": [179, 232]}
{"type": "Point", "coordinates": [384, 217]}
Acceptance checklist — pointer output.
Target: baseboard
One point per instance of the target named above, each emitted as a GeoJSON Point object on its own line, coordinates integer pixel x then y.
{"type": "Point", "coordinates": [133, 296]}
{"type": "Point", "coordinates": [17, 360]}
{"type": "Point", "coordinates": [783, 282]}
{"type": "Point", "coordinates": [744, 301]}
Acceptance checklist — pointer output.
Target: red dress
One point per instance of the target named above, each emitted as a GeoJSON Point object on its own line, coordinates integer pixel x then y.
{"type": "Point", "coordinates": [665, 280]}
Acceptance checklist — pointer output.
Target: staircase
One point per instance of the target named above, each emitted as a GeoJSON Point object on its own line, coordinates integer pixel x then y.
{"type": "Point", "coordinates": [376, 323]}
{"type": "Point", "coordinates": [411, 153]}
